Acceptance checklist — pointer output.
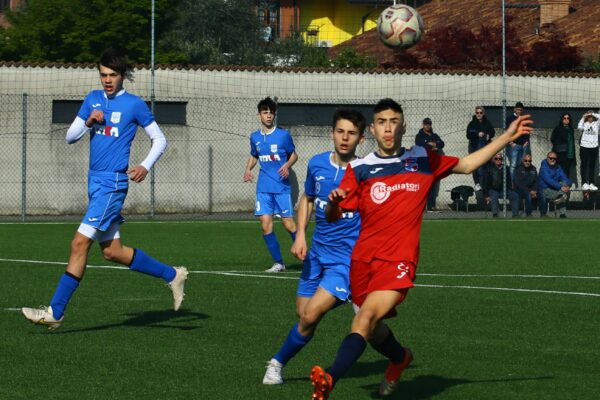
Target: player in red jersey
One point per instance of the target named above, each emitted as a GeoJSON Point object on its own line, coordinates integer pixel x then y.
{"type": "Point", "coordinates": [389, 189]}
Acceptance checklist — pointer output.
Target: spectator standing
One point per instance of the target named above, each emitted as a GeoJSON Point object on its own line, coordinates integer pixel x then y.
{"type": "Point", "coordinates": [493, 187]}
{"type": "Point", "coordinates": [479, 132]}
{"type": "Point", "coordinates": [588, 148]}
{"type": "Point", "coordinates": [526, 183]}
{"type": "Point", "coordinates": [563, 144]}
{"type": "Point", "coordinates": [432, 141]}
{"type": "Point", "coordinates": [553, 185]}
{"type": "Point", "coordinates": [521, 145]}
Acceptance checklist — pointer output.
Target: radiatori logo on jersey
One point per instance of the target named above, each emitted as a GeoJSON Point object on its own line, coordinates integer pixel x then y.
{"type": "Point", "coordinates": [380, 191]}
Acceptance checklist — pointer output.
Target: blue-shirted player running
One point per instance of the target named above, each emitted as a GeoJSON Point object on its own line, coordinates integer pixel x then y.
{"type": "Point", "coordinates": [324, 281]}
{"type": "Point", "coordinates": [274, 149]}
{"type": "Point", "coordinates": [111, 117]}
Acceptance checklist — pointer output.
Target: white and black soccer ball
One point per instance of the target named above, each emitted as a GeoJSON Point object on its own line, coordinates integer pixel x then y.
{"type": "Point", "coordinates": [400, 26]}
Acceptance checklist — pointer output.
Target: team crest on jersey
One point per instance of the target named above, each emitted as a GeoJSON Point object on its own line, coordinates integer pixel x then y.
{"type": "Point", "coordinates": [273, 148]}
{"type": "Point", "coordinates": [115, 117]}
{"type": "Point", "coordinates": [411, 164]}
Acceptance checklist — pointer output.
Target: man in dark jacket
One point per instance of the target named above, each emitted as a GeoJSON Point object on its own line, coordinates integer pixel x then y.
{"type": "Point", "coordinates": [493, 187]}
{"type": "Point", "coordinates": [432, 141]}
{"type": "Point", "coordinates": [526, 185]}
{"type": "Point", "coordinates": [479, 132]}
{"type": "Point", "coordinates": [553, 185]}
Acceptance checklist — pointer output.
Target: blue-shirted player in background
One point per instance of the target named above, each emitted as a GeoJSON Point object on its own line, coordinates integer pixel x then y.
{"type": "Point", "coordinates": [111, 116]}
{"type": "Point", "coordinates": [324, 282]}
{"type": "Point", "coordinates": [274, 149]}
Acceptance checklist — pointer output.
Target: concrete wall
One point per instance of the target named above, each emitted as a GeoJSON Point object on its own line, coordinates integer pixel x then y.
{"type": "Point", "coordinates": [203, 166]}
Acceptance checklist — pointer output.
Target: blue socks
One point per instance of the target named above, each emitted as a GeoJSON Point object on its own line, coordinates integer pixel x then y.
{"type": "Point", "coordinates": [350, 350]}
{"type": "Point", "coordinates": [273, 246]}
{"type": "Point", "coordinates": [147, 265]}
{"type": "Point", "coordinates": [67, 285]}
{"type": "Point", "coordinates": [292, 345]}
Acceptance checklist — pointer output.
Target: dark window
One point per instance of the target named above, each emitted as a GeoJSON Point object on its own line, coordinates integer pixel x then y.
{"type": "Point", "coordinates": [4, 4]}
{"type": "Point", "coordinates": [165, 112]}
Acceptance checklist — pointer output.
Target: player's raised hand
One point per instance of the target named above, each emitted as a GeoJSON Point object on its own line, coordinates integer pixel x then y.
{"type": "Point", "coordinates": [520, 126]}
{"type": "Point", "coordinates": [248, 176]}
{"type": "Point", "coordinates": [97, 116]}
{"type": "Point", "coordinates": [137, 174]}
{"type": "Point", "coordinates": [299, 248]}
{"type": "Point", "coordinates": [337, 195]}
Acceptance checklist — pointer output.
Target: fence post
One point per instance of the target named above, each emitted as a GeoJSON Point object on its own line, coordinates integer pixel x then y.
{"type": "Point", "coordinates": [210, 179]}
{"type": "Point", "coordinates": [24, 160]}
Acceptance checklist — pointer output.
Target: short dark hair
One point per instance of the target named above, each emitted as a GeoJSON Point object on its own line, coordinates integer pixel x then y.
{"type": "Point", "coordinates": [267, 104]}
{"type": "Point", "coordinates": [519, 105]}
{"type": "Point", "coordinates": [115, 61]}
{"type": "Point", "coordinates": [387, 104]}
{"type": "Point", "coordinates": [353, 116]}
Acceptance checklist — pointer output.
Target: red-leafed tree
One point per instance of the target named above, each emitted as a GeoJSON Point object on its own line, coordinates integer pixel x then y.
{"type": "Point", "coordinates": [456, 47]}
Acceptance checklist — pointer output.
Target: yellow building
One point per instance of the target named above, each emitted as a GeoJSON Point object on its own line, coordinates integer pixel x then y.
{"type": "Point", "coordinates": [329, 23]}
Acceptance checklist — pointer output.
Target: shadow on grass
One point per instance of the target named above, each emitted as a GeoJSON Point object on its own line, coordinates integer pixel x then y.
{"type": "Point", "coordinates": [294, 267]}
{"type": "Point", "coordinates": [184, 320]}
{"type": "Point", "coordinates": [428, 386]}
{"type": "Point", "coordinates": [420, 387]}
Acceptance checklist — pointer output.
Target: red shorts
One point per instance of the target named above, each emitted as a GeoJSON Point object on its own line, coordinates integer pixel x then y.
{"type": "Point", "coordinates": [367, 277]}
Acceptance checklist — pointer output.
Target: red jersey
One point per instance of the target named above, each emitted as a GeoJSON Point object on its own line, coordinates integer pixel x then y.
{"type": "Point", "coordinates": [390, 194]}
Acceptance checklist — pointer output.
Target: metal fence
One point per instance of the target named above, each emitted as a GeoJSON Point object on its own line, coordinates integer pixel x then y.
{"type": "Point", "coordinates": [200, 175]}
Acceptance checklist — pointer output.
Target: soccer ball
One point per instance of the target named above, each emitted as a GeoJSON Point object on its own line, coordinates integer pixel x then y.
{"type": "Point", "coordinates": [400, 26]}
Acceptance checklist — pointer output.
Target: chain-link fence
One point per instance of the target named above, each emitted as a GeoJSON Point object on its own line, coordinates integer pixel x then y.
{"type": "Point", "coordinates": [200, 174]}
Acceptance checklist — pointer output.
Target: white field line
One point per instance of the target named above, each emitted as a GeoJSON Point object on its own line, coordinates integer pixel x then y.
{"type": "Point", "coordinates": [278, 276]}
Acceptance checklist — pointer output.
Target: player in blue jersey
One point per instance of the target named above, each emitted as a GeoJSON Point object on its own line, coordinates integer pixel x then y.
{"type": "Point", "coordinates": [324, 282]}
{"type": "Point", "coordinates": [111, 118]}
{"type": "Point", "coordinates": [274, 149]}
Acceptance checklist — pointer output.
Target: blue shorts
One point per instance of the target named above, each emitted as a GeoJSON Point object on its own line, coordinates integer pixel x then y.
{"type": "Point", "coordinates": [274, 204]}
{"type": "Point", "coordinates": [106, 195]}
{"type": "Point", "coordinates": [333, 277]}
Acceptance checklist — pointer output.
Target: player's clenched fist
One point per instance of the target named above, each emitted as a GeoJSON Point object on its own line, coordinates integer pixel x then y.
{"type": "Point", "coordinates": [96, 116]}
{"type": "Point", "coordinates": [337, 195]}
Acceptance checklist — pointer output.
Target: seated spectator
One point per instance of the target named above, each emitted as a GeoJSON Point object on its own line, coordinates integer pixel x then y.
{"type": "Point", "coordinates": [553, 185]}
{"type": "Point", "coordinates": [526, 182]}
{"type": "Point", "coordinates": [479, 132]}
{"type": "Point", "coordinates": [493, 186]}
{"type": "Point", "coordinates": [519, 147]}
{"type": "Point", "coordinates": [432, 141]}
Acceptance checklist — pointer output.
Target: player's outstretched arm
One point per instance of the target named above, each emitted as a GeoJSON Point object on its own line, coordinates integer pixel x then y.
{"type": "Point", "coordinates": [333, 212]}
{"type": "Point", "coordinates": [77, 129]}
{"type": "Point", "coordinates": [248, 176]}
{"type": "Point", "coordinates": [468, 164]}
{"type": "Point", "coordinates": [305, 209]}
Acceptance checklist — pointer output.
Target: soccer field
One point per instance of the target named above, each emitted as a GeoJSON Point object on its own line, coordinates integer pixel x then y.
{"type": "Point", "coordinates": [501, 310]}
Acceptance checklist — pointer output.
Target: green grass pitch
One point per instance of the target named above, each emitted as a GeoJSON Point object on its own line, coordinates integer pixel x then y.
{"type": "Point", "coordinates": [501, 310]}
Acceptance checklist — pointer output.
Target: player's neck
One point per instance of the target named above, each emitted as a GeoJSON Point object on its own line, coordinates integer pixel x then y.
{"type": "Point", "coordinates": [389, 152]}
{"type": "Point", "coordinates": [342, 160]}
{"type": "Point", "coordinates": [267, 130]}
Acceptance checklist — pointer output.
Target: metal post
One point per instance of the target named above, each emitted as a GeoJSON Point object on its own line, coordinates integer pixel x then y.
{"type": "Point", "coordinates": [210, 179]}
{"type": "Point", "coordinates": [152, 176]}
{"type": "Point", "coordinates": [24, 161]}
{"type": "Point", "coordinates": [504, 104]}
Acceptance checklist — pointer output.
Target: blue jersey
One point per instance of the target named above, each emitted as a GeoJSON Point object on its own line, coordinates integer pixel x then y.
{"type": "Point", "coordinates": [110, 141]}
{"type": "Point", "coordinates": [272, 150]}
{"type": "Point", "coordinates": [331, 240]}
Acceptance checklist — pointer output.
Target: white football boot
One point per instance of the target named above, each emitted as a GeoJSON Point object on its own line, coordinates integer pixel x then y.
{"type": "Point", "coordinates": [42, 316]}
{"type": "Point", "coordinates": [274, 374]}
{"type": "Point", "coordinates": [277, 267]}
{"type": "Point", "coordinates": [177, 285]}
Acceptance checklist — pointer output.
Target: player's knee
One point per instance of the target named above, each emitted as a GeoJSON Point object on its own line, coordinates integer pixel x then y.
{"type": "Point", "coordinates": [310, 318]}
{"type": "Point", "coordinates": [79, 245]}
{"type": "Point", "coordinates": [109, 254]}
{"type": "Point", "coordinates": [365, 321]}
